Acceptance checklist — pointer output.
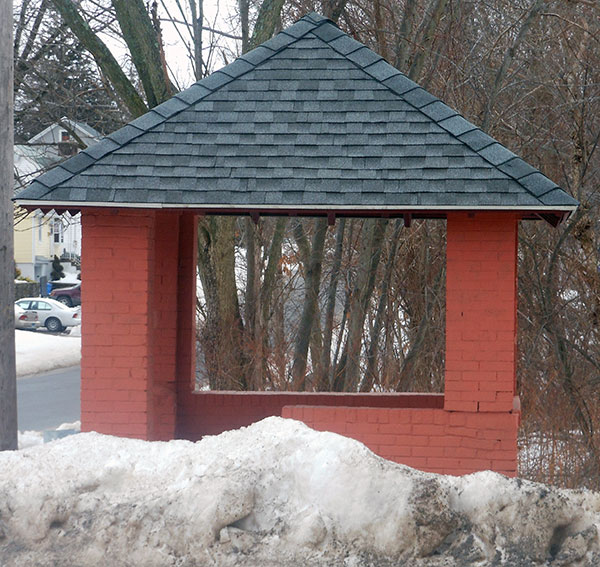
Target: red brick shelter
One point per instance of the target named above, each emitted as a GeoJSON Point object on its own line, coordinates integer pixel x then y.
{"type": "Point", "coordinates": [310, 123]}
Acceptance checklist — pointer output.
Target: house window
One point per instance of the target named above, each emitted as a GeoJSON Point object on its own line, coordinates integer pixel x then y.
{"type": "Point", "coordinates": [66, 146]}
{"type": "Point", "coordinates": [57, 231]}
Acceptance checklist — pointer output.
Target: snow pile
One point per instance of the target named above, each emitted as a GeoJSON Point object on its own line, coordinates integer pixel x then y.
{"type": "Point", "coordinates": [30, 438]}
{"type": "Point", "coordinates": [275, 493]}
{"type": "Point", "coordinates": [38, 351]}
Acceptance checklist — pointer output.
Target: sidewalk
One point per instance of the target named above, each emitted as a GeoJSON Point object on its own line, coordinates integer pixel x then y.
{"type": "Point", "coordinates": [40, 351]}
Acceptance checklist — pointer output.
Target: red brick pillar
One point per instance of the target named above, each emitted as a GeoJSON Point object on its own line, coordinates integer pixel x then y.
{"type": "Point", "coordinates": [481, 299]}
{"type": "Point", "coordinates": [163, 327]}
{"type": "Point", "coordinates": [186, 317]}
{"type": "Point", "coordinates": [129, 321]}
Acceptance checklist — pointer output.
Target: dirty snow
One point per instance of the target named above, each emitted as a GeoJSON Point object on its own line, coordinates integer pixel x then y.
{"type": "Point", "coordinates": [274, 493]}
{"type": "Point", "coordinates": [40, 351]}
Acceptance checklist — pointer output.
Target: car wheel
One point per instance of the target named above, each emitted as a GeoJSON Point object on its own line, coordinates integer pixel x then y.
{"type": "Point", "coordinates": [53, 325]}
{"type": "Point", "coordinates": [65, 299]}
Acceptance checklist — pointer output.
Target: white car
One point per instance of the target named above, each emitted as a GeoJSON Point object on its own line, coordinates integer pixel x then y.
{"type": "Point", "coordinates": [25, 320]}
{"type": "Point", "coordinates": [49, 313]}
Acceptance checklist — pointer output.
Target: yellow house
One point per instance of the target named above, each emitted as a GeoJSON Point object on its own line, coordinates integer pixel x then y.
{"type": "Point", "coordinates": [39, 237]}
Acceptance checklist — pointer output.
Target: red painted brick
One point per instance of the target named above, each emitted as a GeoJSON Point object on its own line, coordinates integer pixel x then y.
{"type": "Point", "coordinates": [399, 416]}
{"type": "Point", "coordinates": [429, 430]}
{"type": "Point", "coordinates": [428, 451]}
{"type": "Point", "coordinates": [362, 428]}
{"type": "Point", "coordinates": [416, 462]}
{"type": "Point", "coordinates": [452, 405]}
{"type": "Point", "coordinates": [480, 302]}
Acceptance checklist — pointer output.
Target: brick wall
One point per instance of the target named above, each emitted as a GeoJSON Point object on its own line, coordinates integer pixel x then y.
{"type": "Point", "coordinates": [138, 350]}
{"type": "Point", "coordinates": [211, 413]}
{"type": "Point", "coordinates": [432, 440]}
{"type": "Point", "coordinates": [186, 317]}
{"type": "Point", "coordinates": [115, 355]}
{"type": "Point", "coordinates": [129, 322]}
{"type": "Point", "coordinates": [481, 296]}
{"type": "Point", "coordinates": [163, 327]}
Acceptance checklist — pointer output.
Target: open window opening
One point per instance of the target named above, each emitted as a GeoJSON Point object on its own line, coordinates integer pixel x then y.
{"type": "Point", "coordinates": [292, 304]}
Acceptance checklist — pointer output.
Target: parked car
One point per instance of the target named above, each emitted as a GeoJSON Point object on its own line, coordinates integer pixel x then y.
{"type": "Point", "coordinates": [26, 319]}
{"type": "Point", "coordinates": [52, 314]}
{"type": "Point", "coordinates": [69, 296]}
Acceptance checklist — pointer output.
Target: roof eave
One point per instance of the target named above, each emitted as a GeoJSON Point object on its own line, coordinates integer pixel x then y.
{"type": "Point", "coordinates": [555, 215]}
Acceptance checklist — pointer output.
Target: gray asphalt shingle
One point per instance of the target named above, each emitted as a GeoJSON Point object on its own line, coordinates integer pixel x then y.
{"type": "Point", "coordinates": [310, 118]}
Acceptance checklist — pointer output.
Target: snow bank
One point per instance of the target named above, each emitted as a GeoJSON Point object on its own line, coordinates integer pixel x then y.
{"type": "Point", "coordinates": [38, 351]}
{"type": "Point", "coordinates": [275, 493]}
{"type": "Point", "coordinates": [29, 438]}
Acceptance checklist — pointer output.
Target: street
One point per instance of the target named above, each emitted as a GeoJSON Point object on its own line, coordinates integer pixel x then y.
{"type": "Point", "coordinates": [45, 401]}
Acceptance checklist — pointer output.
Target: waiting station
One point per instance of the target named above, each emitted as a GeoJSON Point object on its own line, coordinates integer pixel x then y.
{"type": "Point", "coordinates": [311, 123]}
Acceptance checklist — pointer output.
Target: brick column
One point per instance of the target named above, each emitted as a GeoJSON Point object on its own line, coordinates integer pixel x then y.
{"type": "Point", "coordinates": [186, 317]}
{"type": "Point", "coordinates": [481, 299]}
{"type": "Point", "coordinates": [129, 321]}
{"type": "Point", "coordinates": [163, 327]}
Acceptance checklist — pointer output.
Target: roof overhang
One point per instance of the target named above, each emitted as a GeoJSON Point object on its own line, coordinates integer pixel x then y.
{"type": "Point", "coordinates": [273, 133]}
{"type": "Point", "coordinates": [554, 216]}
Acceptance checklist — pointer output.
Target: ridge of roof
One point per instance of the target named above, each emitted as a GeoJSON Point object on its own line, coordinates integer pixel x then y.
{"type": "Point", "coordinates": [499, 157]}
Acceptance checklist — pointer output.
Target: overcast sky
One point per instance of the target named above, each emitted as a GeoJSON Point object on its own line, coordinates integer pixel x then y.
{"type": "Point", "coordinates": [217, 49]}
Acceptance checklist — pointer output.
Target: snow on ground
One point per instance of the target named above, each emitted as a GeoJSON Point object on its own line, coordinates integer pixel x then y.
{"type": "Point", "coordinates": [40, 351]}
{"type": "Point", "coordinates": [29, 439]}
{"type": "Point", "coordinates": [275, 493]}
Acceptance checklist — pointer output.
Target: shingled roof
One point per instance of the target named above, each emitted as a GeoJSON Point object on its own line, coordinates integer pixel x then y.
{"type": "Point", "coordinates": [311, 121]}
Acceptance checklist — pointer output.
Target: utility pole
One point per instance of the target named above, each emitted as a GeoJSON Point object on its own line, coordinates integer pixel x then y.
{"type": "Point", "coordinates": [8, 380]}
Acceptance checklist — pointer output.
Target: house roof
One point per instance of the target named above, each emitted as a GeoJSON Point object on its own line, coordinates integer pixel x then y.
{"type": "Point", "coordinates": [82, 127]}
{"type": "Point", "coordinates": [311, 120]}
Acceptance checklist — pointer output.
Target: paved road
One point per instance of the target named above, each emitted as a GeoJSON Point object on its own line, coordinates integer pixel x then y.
{"type": "Point", "coordinates": [44, 401]}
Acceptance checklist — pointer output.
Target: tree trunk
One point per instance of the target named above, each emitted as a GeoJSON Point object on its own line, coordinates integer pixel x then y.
{"type": "Point", "coordinates": [223, 329]}
{"type": "Point", "coordinates": [347, 373]}
{"type": "Point", "coordinates": [8, 382]}
{"type": "Point", "coordinates": [253, 334]}
{"type": "Point", "coordinates": [227, 361]}
{"type": "Point", "coordinates": [369, 378]}
{"type": "Point", "coordinates": [311, 294]}
{"type": "Point", "coordinates": [268, 285]}
{"type": "Point", "coordinates": [244, 8]}
{"type": "Point", "coordinates": [330, 309]}
{"type": "Point", "coordinates": [143, 43]}
{"type": "Point", "coordinates": [333, 9]}
{"type": "Point", "coordinates": [197, 19]}
{"type": "Point", "coordinates": [405, 375]}
{"type": "Point", "coordinates": [252, 278]}
{"type": "Point", "coordinates": [304, 252]}
{"type": "Point", "coordinates": [403, 40]}
{"type": "Point", "coordinates": [104, 58]}
{"type": "Point", "coordinates": [427, 39]}
{"type": "Point", "coordinates": [535, 9]}
{"type": "Point", "coordinates": [267, 21]}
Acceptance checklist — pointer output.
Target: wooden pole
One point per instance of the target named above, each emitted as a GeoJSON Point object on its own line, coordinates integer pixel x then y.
{"type": "Point", "coordinates": [8, 381]}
